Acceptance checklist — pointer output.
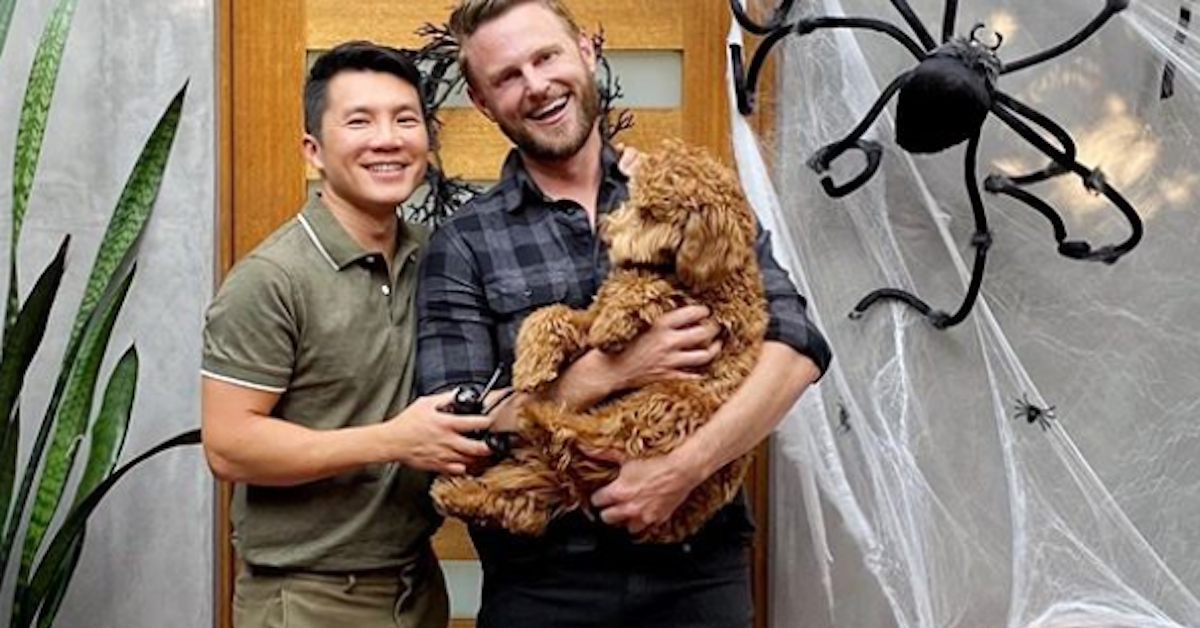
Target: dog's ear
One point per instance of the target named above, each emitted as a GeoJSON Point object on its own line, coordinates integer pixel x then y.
{"type": "Point", "coordinates": [717, 240]}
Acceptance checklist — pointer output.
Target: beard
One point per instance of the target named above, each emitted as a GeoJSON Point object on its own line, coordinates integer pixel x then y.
{"type": "Point", "coordinates": [555, 146]}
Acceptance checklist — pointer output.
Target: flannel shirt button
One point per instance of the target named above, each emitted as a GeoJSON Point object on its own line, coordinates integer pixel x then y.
{"type": "Point", "coordinates": [386, 290]}
{"type": "Point", "coordinates": [528, 293]}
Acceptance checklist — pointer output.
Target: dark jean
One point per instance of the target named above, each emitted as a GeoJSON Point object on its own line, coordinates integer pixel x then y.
{"type": "Point", "coordinates": [599, 580]}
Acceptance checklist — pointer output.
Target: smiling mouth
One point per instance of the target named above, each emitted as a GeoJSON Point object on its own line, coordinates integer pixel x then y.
{"type": "Point", "coordinates": [550, 110]}
{"type": "Point", "coordinates": [386, 168]}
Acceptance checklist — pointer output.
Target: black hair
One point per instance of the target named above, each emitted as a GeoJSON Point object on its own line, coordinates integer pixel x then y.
{"type": "Point", "coordinates": [356, 56]}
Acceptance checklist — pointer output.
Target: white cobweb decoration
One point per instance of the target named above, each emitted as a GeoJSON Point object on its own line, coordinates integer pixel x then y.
{"type": "Point", "coordinates": [908, 490]}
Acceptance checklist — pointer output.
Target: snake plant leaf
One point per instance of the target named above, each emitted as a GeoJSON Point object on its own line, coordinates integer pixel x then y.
{"type": "Point", "coordinates": [49, 608]}
{"type": "Point", "coordinates": [111, 425]}
{"type": "Point", "coordinates": [35, 111]}
{"type": "Point", "coordinates": [6, 13]}
{"type": "Point", "coordinates": [70, 423]}
{"type": "Point", "coordinates": [22, 341]}
{"type": "Point", "coordinates": [58, 552]}
{"type": "Point", "coordinates": [133, 209]}
{"type": "Point", "coordinates": [8, 459]}
{"type": "Point", "coordinates": [20, 345]}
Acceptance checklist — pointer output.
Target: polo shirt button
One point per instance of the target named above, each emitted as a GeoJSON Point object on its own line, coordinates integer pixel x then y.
{"type": "Point", "coordinates": [387, 290]}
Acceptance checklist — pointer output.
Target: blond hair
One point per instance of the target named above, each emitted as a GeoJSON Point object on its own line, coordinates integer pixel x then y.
{"type": "Point", "coordinates": [470, 15]}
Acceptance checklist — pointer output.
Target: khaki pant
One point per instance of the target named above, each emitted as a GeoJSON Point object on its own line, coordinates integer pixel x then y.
{"type": "Point", "coordinates": [413, 598]}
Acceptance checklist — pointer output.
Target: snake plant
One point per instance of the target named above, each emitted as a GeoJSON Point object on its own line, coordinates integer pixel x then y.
{"type": "Point", "coordinates": [33, 514]}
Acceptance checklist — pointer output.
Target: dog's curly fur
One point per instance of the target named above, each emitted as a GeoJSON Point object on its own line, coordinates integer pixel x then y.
{"type": "Point", "coordinates": [685, 236]}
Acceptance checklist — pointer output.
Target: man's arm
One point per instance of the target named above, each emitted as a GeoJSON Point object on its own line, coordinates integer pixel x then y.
{"type": "Point", "coordinates": [649, 490]}
{"type": "Point", "coordinates": [794, 356]}
{"type": "Point", "coordinates": [677, 342]}
{"type": "Point", "coordinates": [244, 443]}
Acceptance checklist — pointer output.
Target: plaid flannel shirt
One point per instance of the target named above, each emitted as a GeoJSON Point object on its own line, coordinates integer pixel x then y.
{"type": "Point", "coordinates": [511, 250]}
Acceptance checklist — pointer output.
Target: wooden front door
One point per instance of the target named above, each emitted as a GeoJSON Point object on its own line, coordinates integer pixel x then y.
{"type": "Point", "coordinates": [265, 47]}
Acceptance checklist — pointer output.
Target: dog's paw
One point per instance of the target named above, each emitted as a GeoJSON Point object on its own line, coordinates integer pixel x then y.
{"type": "Point", "coordinates": [548, 339]}
{"type": "Point", "coordinates": [612, 330]}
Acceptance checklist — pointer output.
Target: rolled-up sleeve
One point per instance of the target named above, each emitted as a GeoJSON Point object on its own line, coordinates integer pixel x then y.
{"type": "Point", "coordinates": [789, 321]}
{"type": "Point", "coordinates": [455, 342]}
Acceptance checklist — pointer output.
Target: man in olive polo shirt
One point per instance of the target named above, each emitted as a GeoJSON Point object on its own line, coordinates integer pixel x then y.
{"type": "Point", "coordinates": [308, 375]}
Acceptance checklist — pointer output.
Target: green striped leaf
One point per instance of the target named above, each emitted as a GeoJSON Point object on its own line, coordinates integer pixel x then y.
{"type": "Point", "coordinates": [136, 200]}
{"type": "Point", "coordinates": [20, 345]}
{"type": "Point", "coordinates": [8, 460]}
{"type": "Point", "coordinates": [35, 110]}
{"type": "Point", "coordinates": [38, 590]}
{"type": "Point", "coordinates": [111, 425]}
{"type": "Point", "coordinates": [133, 209]}
{"type": "Point", "coordinates": [6, 12]}
{"type": "Point", "coordinates": [58, 586]}
{"type": "Point", "coordinates": [70, 423]}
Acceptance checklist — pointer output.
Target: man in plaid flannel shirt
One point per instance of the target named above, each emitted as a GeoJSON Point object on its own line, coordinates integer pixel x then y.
{"type": "Point", "coordinates": [531, 241]}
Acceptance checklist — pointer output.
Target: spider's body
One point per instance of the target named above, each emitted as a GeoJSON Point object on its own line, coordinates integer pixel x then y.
{"type": "Point", "coordinates": [942, 102]}
{"type": "Point", "coordinates": [946, 97]}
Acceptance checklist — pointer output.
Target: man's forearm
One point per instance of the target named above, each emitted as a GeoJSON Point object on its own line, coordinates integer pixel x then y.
{"type": "Point", "coordinates": [272, 452]}
{"type": "Point", "coordinates": [778, 380]}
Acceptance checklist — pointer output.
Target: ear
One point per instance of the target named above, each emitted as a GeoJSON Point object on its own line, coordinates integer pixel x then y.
{"type": "Point", "coordinates": [311, 147]}
{"type": "Point", "coordinates": [715, 244]}
{"type": "Point", "coordinates": [480, 103]}
{"type": "Point", "coordinates": [587, 50]}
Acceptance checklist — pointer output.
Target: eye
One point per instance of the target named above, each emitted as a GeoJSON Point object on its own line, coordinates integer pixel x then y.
{"type": "Point", "coordinates": [357, 122]}
{"type": "Point", "coordinates": [506, 79]}
{"type": "Point", "coordinates": [546, 57]}
{"type": "Point", "coordinates": [408, 120]}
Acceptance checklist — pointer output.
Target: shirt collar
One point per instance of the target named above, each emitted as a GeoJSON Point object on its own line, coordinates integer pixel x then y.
{"type": "Point", "coordinates": [523, 188]}
{"type": "Point", "coordinates": [335, 243]}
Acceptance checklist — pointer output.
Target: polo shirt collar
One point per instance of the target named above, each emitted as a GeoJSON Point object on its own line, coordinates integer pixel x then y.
{"type": "Point", "coordinates": [332, 239]}
{"type": "Point", "coordinates": [524, 189]}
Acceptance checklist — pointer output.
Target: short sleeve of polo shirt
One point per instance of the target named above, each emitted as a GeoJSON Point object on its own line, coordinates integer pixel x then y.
{"type": "Point", "coordinates": [250, 329]}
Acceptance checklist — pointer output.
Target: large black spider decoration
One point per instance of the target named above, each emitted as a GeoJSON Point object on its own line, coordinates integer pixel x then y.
{"type": "Point", "coordinates": [942, 102]}
{"type": "Point", "coordinates": [438, 61]}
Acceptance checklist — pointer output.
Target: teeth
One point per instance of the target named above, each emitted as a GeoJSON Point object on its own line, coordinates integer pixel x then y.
{"type": "Point", "coordinates": [550, 108]}
{"type": "Point", "coordinates": [385, 167]}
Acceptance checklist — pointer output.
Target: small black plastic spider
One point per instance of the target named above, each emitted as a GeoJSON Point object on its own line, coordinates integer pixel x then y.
{"type": "Point", "coordinates": [843, 419]}
{"type": "Point", "coordinates": [942, 102]}
{"type": "Point", "coordinates": [1033, 413]}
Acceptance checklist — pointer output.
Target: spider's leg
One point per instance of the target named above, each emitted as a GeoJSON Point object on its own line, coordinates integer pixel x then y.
{"type": "Point", "coordinates": [777, 17]}
{"type": "Point", "coordinates": [824, 156]}
{"type": "Point", "coordinates": [981, 240]}
{"type": "Point", "coordinates": [745, 77]}
{"type": "Point", "coordinates": [745, 83]}
{"type": "Point", "coordinates": [1111, 8]}
{"type": "Point", "coordinates": [1010, 185]}
{"type": "Point", "coordinates": [915, 24]}
{"type": "Point", "coordinates": [1093, 179]}
{"type": "Point", "coordinates": [810, 24]}
{"type": "Point", "coordinates": [948, 18]}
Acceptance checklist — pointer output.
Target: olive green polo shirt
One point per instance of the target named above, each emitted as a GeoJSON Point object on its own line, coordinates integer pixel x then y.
{"type": "Point", "coordinates": [312, 316]}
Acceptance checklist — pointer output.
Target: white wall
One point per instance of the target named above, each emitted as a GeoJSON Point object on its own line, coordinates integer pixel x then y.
{"type": "Point", "coordinates": [148, 556]}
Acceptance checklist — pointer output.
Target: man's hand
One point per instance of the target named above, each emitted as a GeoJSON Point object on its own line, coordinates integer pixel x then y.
{"type": "Point", "coordinates": [427, 438]}
{"type": "Point", "coordinates": [629, 159]}
{"type": "Point", "coordinates": [678, 343]}
{"type": "Point", "coordinates": [646, 492]}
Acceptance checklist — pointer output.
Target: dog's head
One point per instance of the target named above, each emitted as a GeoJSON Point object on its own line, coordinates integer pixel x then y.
{"type": "Point", "coordinates": [686, 211]}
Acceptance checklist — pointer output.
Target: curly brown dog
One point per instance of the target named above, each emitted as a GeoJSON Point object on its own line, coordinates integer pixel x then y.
{"type": "Point", "coordinates": [685, 236]}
